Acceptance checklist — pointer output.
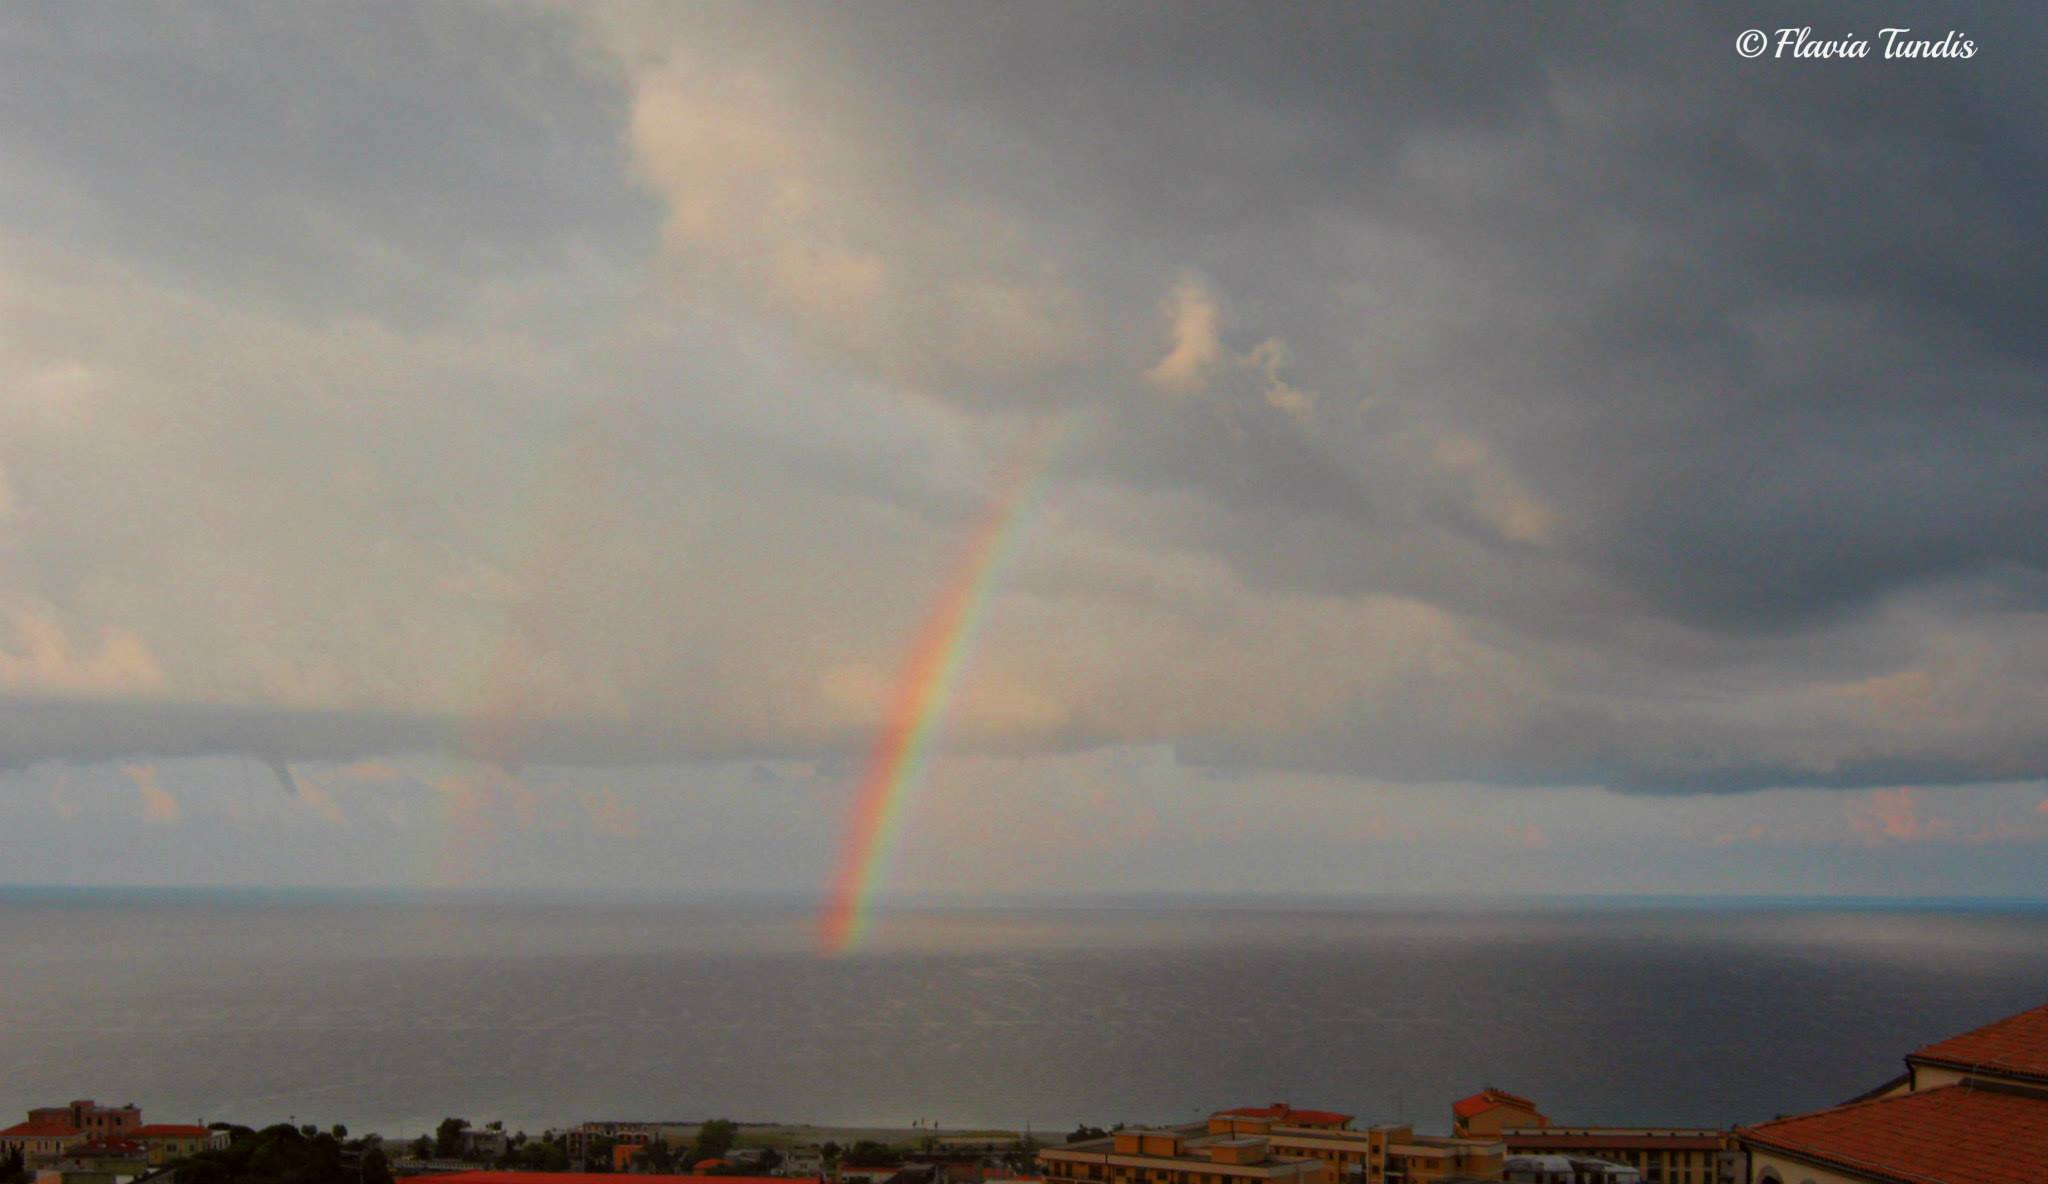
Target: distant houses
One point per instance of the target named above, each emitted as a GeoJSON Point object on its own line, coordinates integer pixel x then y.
{"type": "Point", "coordinates": [1970, 1109]}
{"type": "Point", "coordinates": [1496, 1136]}
{"type": "Point", "coordinates": [84, 1142]}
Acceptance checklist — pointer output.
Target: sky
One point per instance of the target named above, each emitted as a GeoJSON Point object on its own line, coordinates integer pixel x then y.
{"type": "Point", "coordinates": [1526, 449]}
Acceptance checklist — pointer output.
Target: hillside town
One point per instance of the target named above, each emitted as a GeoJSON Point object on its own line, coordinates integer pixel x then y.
{"type": "Point", "coordinates": [1969, 1109]}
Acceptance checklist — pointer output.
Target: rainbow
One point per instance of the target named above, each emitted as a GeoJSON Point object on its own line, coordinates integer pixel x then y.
{"type": "Point", "coordinates": [896, 762]}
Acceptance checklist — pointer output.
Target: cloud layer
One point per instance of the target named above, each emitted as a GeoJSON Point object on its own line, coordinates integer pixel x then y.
{"type": "Point", "coordinates": [1548, 400]}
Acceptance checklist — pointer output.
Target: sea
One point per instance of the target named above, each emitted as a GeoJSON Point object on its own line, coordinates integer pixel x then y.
{"type": "Point", "coordinates": [389, 1012]}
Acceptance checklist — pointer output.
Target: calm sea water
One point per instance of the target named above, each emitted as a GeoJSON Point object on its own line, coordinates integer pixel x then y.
{"type": "Point", "coordinates": [388, 1014]}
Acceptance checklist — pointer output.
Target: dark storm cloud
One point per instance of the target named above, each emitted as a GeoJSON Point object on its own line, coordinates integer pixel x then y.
{"type": "Point", "coordinates": [371, 160]}
{"type": "Point", "coordinates": [1766, 332]}
{"type": "Point", "coordinates": [1699, 400]}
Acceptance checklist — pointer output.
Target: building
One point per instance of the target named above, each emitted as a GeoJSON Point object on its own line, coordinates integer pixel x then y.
{"type": "Point", "coordinates": [1491, 1111]}
{"type": "Point", "coordinates": [1397, 1155]}
{"type": "Point", "coordinates": [1659, 1155]}
{"type": "Point", "coordinates": [1189, 1155]}
{"type": "Point", "coordinates": [1282, 1114]}
{"type": "Point", "coordinates": [1567, 1169]}
{"type": "Point", "coordinates": [582, 1141]}
{"type": "Point", "coordinates": [483, 1144]}
{"type": "Point", "coordinates": [1391, 1153]}
{"type": "Point", "coordinates": [39, 1141]}
{"type": "Point", "coordinates": [1972, 1109]}
{"type": "Point", "coordinates": [52, 1132]}
{"type": "Point", "coordinates": [102, 1159]}
{"type": "Point", "coordinates": [167, 1141]}
{"type": "Point", "coordinates": [92, 1119]}
{"type": "Point", "coordinates": [509, 1177]}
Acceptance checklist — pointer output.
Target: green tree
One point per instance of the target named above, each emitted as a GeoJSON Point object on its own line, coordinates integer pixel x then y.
{"type": "Point", "coordinates": [448, 1138]}
{"type": "Point", "coordinates": [866, 1153]}
{"type": "Point", "coordinates": [423, 1148]}
{"type": "Point", "coordinates": [375, 1169]}
{"type": "Point", "coordinates": [1084, 1132]}
{"type": "Point", "coordinates": [339, 1131]}
{"type": "Point", "coordinates": [715, 1138]}
{"type": "Point", "coordinates": [12, 1167]}
{"type": "Point", "coordinates": [660, 1157]}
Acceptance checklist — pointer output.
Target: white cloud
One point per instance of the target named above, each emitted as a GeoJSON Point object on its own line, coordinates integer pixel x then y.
{"type": "Point", "coordinates": [1194, 321]}
{"type": "Point", "coordinates": [42, 659]}
{"type": "Point", "coordinates": [158, 806]}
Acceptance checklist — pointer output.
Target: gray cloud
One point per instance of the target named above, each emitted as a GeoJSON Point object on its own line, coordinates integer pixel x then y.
{"type": "Point", "coordinates": [1577, 402]}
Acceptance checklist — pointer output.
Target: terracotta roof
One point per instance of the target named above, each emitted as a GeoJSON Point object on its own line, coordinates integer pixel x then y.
{"type": "Point", "coordinates": [1632, 1141]}
{"type": "Point", "coordinates": [591, 1178]}
{"type": "Point", "coordinates": [108, 1145]}
{"type": "Point", "coordinates": [39, 1130]}
{"type": "Point", "coordinates": [1954, 1134]}
{"type": "Point", "coordinates": [168, 1130]}
{"type": "Point", "coordinates": [1488, 1098]}
{"type": "Point", "coordinates": [2016, 1045]}
{"type": "Point", "coordinates": [1283, 1110]}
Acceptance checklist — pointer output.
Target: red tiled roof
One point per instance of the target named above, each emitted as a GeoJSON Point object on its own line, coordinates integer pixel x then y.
{"type": "Point", "coordinates": [39, 1130]}
{"type": "Point", "coordinates": [2016, 1045]}
{"type": "Point", "coordinates": [108, 1145]}
{"type": "Point", "coordinates": [591, 1178]}
{"type": "Point", "coordinates": [1631, 1141]}
{"type": "Point", "coordinates": [1955, 1134]}
{"type": "Point", "coordinates": [169, 1130]}
{"type": "Point", "coordinates": [1488, 1098]}
{"type": "Point", "coordinates": [1283, 1110]}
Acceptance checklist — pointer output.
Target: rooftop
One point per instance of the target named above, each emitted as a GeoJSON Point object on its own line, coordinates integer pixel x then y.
{"type": "Point", "coordinates": [1590, 1139]}
{"type": "Point", "coordinates": [1487, 1099]}
{"type": "Point", "coordinates": [2015, 1046]}
{"type": "Point", "coordinates": [1954, 1134]}
{"type": "Point", "coordinates": [39, 1130]}
{"type": "Point", "coordinates": [1282, 1112]}
{"type": "Point", "coordinates": [591, 1178]}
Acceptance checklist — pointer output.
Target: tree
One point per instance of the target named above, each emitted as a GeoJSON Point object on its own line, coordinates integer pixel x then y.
{"type": "Point", "coordinates": [448, 1138]}
{"type": "Point", "coordinates": [281, 1154]}
{"type": "Point", "coordinates": [868, 1153]}
{"type": "Point", "coordinates": [375, 1168]}
{"type": "Point", "coordinates": [1084, 1132]}
{"type": "Point", "coordinates": [660, 1157]}
{"type": "Point", "coordinates": [12, 1167]}
{"type": "Point", "coordinates": [715, 1138]}
{"type": "Point", "coordinates": [423, 1148]}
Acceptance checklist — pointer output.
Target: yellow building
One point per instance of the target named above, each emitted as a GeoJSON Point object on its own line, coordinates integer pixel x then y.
{"type": "Point", "coordinates": [168, 1141]}
{"type": "Point", "coordinates": [1661, 1155]}
{"type": "Point", "coordinates": [1177, 1156]}
{"type": "Point", "coordinates": [1972, 1109]}
{"type": "Point", "coordinates": [1490, 1111]}
{"type": "Point", "coordinates": [1391, 1153]}
{"type": "Point", "coordinates": [40, 1140]}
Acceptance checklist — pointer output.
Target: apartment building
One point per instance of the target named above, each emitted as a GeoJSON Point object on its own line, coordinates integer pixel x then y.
{"type": "Point", "coordinates": [1390, 1153]}
{"type": "Point", "coordinates": [1189, 1155]}
{"type": "Point", "coordinates": [1660, 1155]}
{"type": "Point", "coordinates": [56, 1131]}
{"type": "Point", "coordinates": [1490, 1111]}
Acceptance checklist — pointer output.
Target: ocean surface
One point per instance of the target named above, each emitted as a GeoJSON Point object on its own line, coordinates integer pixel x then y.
{"type": "Point", "coordinates": [388, 1013]}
